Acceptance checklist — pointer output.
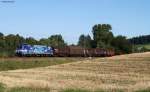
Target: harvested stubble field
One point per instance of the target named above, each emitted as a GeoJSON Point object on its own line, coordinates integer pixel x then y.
{"type": "Point", "coordinates": [127, 73]}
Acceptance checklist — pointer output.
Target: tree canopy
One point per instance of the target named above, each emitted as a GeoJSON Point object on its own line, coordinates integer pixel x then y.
{"type": "Point", "coordinates": [56, 41]}
{"type": "Point", "coordinates": [104, 38]}
{"type": "Point", "coordinates": [85, 41]}
{"type": "Point", "coordinates": [102, 35]}
{"type": "Point", "coordinates": [121, 45]}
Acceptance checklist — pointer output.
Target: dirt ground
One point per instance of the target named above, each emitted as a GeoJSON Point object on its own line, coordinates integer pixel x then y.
{"type": "Point", "coordinates": [126, 72]}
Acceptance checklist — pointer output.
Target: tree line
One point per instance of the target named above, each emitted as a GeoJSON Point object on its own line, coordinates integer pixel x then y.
{"type": "Point", "coordinates": [145, 39]}
{"type": "Point", "coordinates": [102, 38]}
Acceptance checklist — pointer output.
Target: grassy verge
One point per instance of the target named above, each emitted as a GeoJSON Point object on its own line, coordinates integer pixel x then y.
{"type": "Point", "coordinates": [144, 90]}
{"type": "Point", "coordinates": [74, 90]}
{"type": "Point", "coordinates": [2, 88]}
{"type": "Point", "coordinates": [25, 63]}
{"type": "Point", "coordinates": [23, 89]}
{"type": "Point", "coordinates": [83, 90]}
{"type": "Point", "coordinates": [29, 90]}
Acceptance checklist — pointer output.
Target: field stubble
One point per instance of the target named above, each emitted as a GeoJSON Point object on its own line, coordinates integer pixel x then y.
{"type": "Point", "coordinates": [126, 72]}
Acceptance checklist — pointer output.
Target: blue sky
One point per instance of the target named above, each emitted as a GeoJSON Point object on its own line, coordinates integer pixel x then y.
{"type": "Point", "coordinates": [71, 18]}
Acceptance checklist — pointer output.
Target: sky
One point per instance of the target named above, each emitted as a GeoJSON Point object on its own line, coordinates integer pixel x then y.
{"type": "Point", "coordinates": [71, 18]}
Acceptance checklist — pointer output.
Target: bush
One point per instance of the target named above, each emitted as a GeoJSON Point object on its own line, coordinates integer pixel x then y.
{"type": "Point", "coordinates": [2, 88]}
{"type": "Point", "coordinates": [7, 53]}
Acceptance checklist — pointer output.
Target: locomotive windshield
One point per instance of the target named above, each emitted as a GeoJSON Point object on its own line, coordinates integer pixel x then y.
{"type": "Point", "coordinates": [24, 46]}
{"type": "Point", "coordinates": [19, 47]}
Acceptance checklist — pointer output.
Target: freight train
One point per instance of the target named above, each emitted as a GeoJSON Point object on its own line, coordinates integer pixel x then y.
{"type": "Point", "coordinates": [68, 51]}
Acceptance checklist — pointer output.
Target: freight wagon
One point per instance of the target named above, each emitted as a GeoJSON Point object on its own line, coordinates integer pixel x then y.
{"type": "Point", "coordinates": [70, 51]}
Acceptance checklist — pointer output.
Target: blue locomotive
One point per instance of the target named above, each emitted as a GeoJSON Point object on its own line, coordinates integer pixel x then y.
{"type": "Point", "coordinates": [34, 50]}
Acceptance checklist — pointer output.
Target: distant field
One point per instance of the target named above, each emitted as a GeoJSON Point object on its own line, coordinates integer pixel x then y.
{"type": "Point", "coordinates": [125, 73]}
{"type": "Point", "coordinates": [146, 46]}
